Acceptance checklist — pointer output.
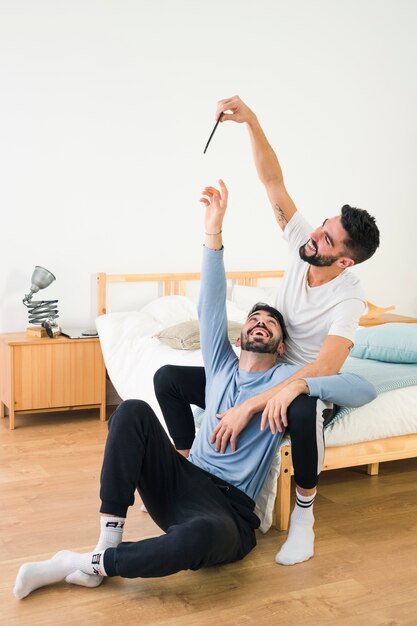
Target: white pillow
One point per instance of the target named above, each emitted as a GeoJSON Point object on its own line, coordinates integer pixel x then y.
{"type": "Point", "coordinates": [245, 297]}
{"type": "Point", "coordinates": [170, 310]}
{"type": "Point", "coordinates": [235, 313]}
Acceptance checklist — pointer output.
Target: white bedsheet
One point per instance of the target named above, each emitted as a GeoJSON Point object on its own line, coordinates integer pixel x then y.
{"type": "Point", "coordinates": [391, 414]}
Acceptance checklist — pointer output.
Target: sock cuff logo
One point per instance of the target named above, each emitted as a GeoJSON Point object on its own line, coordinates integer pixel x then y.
{"type": "Point", "coordinates": [95, 562]}
{"type": "Point", "coordinates": [115, 525]}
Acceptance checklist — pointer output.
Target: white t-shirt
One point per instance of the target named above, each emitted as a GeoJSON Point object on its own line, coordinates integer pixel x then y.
{"type": "Point", "coordinates": [313, 313]}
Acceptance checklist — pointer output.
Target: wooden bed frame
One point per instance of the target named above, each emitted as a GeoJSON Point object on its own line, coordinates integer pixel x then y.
{"type": "Point", "coordinates": [176, 284]}
{"type": "Point", "coordinates": [369, 453]}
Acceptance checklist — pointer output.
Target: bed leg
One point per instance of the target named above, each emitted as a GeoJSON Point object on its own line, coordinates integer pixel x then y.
{"type": "Point", "coordinates": [373, 469]}
{"type": "Point", "coordinates": [283, 499]}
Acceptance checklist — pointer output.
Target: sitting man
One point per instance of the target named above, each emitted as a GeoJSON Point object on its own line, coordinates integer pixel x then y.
{"type": "Point", "coordinates": [205, 507]}
{"type": "Point", "coordinates": [321, 301]}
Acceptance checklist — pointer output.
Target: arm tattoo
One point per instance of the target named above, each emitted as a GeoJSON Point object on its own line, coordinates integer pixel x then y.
{"type": "Point", "coordinates": [279, 216]}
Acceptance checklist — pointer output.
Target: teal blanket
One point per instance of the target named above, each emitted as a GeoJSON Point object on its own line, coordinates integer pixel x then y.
{"type": "Point", "coordinates": [384, 376]}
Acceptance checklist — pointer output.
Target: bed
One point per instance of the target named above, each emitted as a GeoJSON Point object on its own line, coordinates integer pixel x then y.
{"type": "Point", "coordinates": [135, 343]}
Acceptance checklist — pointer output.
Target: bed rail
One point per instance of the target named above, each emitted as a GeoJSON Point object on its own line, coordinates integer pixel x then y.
{"type": "Point", "coordinates": [175, 283]}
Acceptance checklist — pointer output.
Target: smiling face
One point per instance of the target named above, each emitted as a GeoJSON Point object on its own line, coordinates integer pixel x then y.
{"type": "Point", "coordinates": [262, 333]}
{"type": "Point", "coordinates": [326, 245]}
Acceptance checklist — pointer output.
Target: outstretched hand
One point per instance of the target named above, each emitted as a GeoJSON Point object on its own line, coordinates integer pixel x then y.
{"type": "Point", "coordinates": [216, 205]}
{"type": "Point", "coordinates": [240, 111]}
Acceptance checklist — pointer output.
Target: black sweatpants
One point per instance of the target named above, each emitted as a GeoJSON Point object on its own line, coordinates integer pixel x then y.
{"type": "Point", "coordinates": [206, 521]}
{"type": "Point", "coordinates": [176, 387]}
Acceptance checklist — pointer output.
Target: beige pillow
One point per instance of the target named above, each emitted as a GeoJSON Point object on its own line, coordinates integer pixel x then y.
{"type": "Point", "coordinates": [186, 335]}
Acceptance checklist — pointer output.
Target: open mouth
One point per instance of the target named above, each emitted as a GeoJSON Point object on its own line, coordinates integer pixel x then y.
{"type": "Point", "coordinates": [311, 246]}
{"type": "Point", "coordinates": [260, 331]}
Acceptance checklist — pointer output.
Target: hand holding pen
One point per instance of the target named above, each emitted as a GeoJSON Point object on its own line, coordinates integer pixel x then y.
{"type": "Point", "coordinates": [240, 113]}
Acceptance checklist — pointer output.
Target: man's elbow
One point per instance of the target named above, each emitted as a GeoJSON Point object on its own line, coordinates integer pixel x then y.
{"type": "Point", "coordinates": [368, 394]}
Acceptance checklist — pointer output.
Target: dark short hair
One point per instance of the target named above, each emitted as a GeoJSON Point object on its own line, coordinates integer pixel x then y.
{"type": "Point", "coordinates": [363, 233]}
{"type": "Point", "coordinates": [261, 306]}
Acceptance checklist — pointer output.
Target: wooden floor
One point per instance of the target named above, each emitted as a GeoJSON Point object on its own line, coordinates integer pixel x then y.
{"type": "Point", "coordinates": [364, 571]}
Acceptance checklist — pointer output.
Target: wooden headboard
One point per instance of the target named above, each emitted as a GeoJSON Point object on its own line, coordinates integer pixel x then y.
{"type": "Point", "coordinates": [175, 284]}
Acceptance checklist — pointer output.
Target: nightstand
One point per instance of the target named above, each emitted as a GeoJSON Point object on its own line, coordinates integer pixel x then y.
{"type": "Point", "coordinates": [39, 375]}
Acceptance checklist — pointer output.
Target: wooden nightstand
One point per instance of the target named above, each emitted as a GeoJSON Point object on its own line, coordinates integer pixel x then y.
{"type": "Point", "coordinates": [39, 375]}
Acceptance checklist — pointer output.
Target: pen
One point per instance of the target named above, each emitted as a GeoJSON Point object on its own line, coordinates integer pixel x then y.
{"type": "Point", "coordinates": [213, 131]}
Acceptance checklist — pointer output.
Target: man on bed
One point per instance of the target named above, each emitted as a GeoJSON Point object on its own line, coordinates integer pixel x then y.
{"type": "Point", "coordinates": [321, 303]}
{"type": "Point", "coordinates": [205, 507]}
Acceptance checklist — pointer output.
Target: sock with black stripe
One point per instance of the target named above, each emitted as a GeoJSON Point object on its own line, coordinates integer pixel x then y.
{"type": "Point", "coordinates": [299, 545]}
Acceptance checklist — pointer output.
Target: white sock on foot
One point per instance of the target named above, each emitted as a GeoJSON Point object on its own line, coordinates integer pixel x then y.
{"type": "Point", "coordinates": [31, 576]}
{"type": "Point", "coordinates": [299, 545]}
{"type": "Point", "coordinates": [111, 534]}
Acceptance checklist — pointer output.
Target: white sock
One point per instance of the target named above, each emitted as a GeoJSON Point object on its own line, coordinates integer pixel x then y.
{"type": "Point", "coordinates": [111, 533]}
{"type": "Point", "coordinates": [31, 576]}
{"type": "Point", "coordinates": [299, 545]}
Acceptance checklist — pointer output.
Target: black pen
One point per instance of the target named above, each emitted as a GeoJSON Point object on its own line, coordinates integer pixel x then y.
{"type": "Point", "coordinates": [212, 132]}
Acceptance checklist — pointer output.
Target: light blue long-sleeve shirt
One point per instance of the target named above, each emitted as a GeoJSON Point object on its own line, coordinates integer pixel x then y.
{"type": "Point", "coordinates": [227, 385]}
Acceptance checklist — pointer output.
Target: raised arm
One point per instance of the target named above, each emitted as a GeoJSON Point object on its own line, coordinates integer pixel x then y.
{"type": "Point", "coordinates": [266, 161]}
{"type": "Point", "coordinates": [215, 345]}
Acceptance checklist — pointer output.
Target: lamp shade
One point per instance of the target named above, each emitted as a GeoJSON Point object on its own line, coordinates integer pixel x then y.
{"type": "Point", "coordinates": [41, 278]}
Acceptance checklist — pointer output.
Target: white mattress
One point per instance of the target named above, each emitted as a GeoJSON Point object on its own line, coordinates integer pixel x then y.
{"type": "Point", "coordinates": [391, 414]}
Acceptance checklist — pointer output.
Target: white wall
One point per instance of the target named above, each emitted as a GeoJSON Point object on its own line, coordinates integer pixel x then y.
{"type": "Point", "coordinates": [106, 107]}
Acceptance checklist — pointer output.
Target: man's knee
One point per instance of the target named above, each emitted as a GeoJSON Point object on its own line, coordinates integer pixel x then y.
{"type": "Point", "coordinates": [129, 412]}
{"type": "Point", "coordinates": [163, 379]}
{"type": "Point", "coordinates": [301, 415]}
{"type": "Point", "coordinates": [203, 542]}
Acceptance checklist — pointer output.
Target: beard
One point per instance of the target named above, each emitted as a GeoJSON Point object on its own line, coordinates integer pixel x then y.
{"type": "Point", "coordinates": [256, 344]}
{"type": "Point", "coordinates": [319, 260]}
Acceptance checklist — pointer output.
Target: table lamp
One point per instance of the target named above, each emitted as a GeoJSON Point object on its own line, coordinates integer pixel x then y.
{"type": "Point", "coordinates": [41, 312]}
